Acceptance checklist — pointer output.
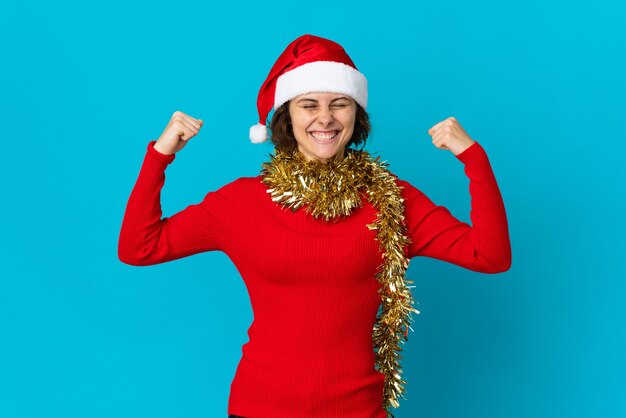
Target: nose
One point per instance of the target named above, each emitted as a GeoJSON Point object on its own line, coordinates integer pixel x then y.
{"type": "Point", "coordinates": [325, 117]}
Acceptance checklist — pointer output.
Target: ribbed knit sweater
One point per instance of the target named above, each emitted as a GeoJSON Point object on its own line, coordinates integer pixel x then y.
{"type": "Point", "coordinates": [311, 284]}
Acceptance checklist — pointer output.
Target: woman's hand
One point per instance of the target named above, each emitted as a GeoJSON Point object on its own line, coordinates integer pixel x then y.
{"type": "Point", "coordinates": [448, 134]}
{"type": "Point", "coordinates": [180, 129]}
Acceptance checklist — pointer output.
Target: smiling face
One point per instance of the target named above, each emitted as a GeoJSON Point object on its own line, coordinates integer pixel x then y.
{"type": "Point", "coordinates": [322, 123]}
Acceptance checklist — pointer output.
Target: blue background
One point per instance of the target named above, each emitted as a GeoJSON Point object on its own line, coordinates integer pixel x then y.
{"type": "Point", "coordinates": [85, 86]}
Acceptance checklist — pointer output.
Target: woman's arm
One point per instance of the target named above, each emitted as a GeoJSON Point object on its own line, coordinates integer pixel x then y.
{"type": "Point", "coordinates": [147, 239]}
{"type": "Point", "coordinates": [485, 246]}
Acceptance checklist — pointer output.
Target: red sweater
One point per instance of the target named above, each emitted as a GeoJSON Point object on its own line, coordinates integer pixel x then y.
{"type": "Point", "coordinates": [311, 283]}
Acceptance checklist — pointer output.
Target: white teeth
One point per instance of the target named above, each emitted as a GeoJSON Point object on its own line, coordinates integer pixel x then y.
{"type": "Point", "coordinates": [324, 135]}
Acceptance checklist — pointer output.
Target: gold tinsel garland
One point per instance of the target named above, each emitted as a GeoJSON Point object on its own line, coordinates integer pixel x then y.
{"type": "Point", "coordinates": [332, 189]}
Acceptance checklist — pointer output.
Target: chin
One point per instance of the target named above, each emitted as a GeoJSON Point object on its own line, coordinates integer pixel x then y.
{"type": "Point", "coordinates": [323, 151]}
{"type": "Point", "coordinates": [323, 154]}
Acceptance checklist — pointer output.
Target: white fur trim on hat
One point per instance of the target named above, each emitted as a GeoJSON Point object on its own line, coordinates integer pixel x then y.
{"type": "Point", "coordinates": [321, 76]}
{"type": "Point", "coordinates": [258, 133]}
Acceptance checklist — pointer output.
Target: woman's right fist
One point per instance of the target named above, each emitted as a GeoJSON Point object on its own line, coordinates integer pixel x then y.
{"type": "Point", "coordinates": [180, 129]}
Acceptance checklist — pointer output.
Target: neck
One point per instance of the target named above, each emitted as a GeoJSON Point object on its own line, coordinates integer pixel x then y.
{"type": "Point", "coordinates": [337, 157]}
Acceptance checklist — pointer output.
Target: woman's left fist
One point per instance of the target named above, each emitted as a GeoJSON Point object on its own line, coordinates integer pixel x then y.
{"type": "Point", "coordinates": [448, 134]}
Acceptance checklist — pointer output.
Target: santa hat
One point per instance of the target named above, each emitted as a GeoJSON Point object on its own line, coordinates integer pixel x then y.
{"type": "Point", "coordinates": [308, 64]}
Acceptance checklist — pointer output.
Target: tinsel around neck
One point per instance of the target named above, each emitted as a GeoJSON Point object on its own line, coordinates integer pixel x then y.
{"type": "Point", "coordinates": [332, 189]}
{"type": "Point", "coordinates": [329, 189]}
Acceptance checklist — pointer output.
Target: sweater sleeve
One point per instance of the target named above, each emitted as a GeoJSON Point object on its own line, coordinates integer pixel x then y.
{"type": "Point", "coordinates": [484, 246]}
{"type": "Point", "coordinates": [146, 239]}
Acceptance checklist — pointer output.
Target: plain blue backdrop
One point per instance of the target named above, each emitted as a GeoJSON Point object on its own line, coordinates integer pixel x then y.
{"type": "Point", "coordinates": [86, 85]}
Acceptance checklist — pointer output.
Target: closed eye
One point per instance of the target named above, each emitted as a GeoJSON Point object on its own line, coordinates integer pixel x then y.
{"type": "Point", "coordinates": [340, 105]}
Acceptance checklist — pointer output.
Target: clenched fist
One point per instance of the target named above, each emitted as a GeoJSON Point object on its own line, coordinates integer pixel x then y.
{"type": "Point", "coordinates": [180, 129]}
{"type": "Point", "coordinates": [448, 134]}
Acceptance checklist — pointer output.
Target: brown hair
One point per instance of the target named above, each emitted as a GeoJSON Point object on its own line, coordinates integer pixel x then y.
{"type": "Point", "coordinates": [282, 131]}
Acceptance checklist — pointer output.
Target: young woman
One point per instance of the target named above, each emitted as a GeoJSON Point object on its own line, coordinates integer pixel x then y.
{"type": "Point", "coordinates": [322, 238]}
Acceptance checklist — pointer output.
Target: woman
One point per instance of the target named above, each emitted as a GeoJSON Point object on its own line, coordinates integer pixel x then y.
{"type": "Point", "coordinates": [322, 238]}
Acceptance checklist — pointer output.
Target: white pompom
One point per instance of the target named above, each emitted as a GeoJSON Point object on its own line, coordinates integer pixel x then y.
{"type": "Point", "coordinates": [258, 133]}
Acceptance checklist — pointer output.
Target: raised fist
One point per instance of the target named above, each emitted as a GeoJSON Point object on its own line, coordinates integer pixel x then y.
{"type": "Point", "coordinates": [450, 135]}
{"type": "Point", "coordinates": [180, 129]}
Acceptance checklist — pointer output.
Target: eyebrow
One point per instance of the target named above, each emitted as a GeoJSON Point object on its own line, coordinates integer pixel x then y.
{"type": "Point", "coordinates": [313, 100]}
